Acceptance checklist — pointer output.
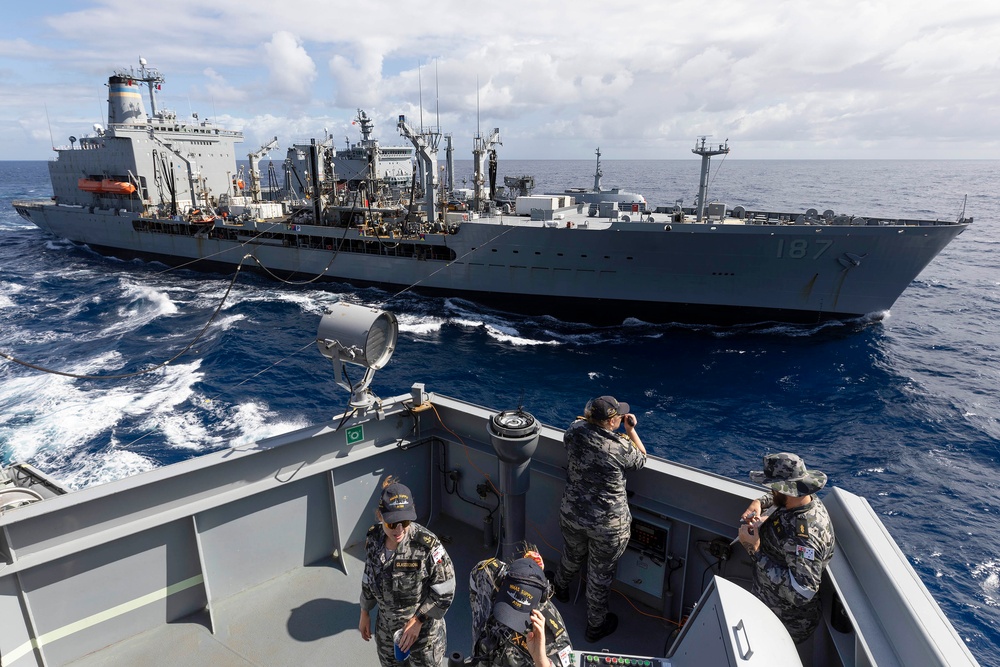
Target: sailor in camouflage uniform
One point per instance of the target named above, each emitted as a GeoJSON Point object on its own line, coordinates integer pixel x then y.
{"type": "Point", "coordinates": [594, 515]}
{"type": "Point", "coordinates": [514, 623]}
{"type": "Point", "coordinates": [791, 547]}
{"type": "Point", "coordinates": [409, 575]}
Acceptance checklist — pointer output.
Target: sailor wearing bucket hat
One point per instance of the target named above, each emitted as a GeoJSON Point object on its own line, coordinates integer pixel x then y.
{"type": "Point", "coordinates": [594, 514]}
{"type": "Point", "coordinates": [791, 547]}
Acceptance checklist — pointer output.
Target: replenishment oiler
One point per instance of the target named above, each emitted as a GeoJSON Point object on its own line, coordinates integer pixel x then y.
{"type": "Point", "coordinates": [156, 187]}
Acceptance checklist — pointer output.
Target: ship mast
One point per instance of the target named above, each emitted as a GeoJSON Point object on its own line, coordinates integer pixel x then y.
{"type": "Point", "coordinates": [426, 145]}
{"type": "Point", "coordinates": [706, 153]}
{"type": "Point", "coordinates": [255, 192]}
{"type": "Point", "coordinates": [481, 146]}
{"type": "Point", "coordinates": [370, 146]}
{"type": "Point", "coordinates": [598, 173]}
{"type": "Point", "coordinates": [449, 158]}
{"type": "Point", "coordinates": [152, 78]}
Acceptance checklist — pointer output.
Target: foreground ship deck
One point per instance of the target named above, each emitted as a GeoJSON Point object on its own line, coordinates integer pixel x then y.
{"type": "Point", "coordinates": [252, 555]}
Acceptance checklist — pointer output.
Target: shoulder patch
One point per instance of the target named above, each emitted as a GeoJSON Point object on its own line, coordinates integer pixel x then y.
{"type": "Point", "coordinates": [493, 563]}
{"type": "Point", "coordinates": [801, 528]}
{"type": "Point", "coordinates": [554, 626]}
{"type": "Point", "coordinates": [427, 539]}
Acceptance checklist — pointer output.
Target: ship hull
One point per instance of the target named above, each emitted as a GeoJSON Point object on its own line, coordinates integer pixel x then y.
{"type": "Point", "coordinates": [596, 272]}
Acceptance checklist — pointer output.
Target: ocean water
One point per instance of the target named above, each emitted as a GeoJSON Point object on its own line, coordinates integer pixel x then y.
{"type": "Point", "coordinates": [902, 410]}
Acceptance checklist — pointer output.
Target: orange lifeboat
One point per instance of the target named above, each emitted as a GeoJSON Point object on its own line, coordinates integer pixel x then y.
{"type": "Point", "coordinates": [116, 187]}
{"type": "Point", "coordinates": [198, 217]}
{"type": "Point", "coordinates": [105, 186]}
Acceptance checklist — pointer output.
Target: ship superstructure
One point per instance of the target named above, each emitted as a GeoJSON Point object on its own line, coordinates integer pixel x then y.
{"type": "Point", "coordinates": [142, 160]}
{"type": "Point", "coordinates": [368, 159]}
{"type": "Point", "coordinates": [362, 165]}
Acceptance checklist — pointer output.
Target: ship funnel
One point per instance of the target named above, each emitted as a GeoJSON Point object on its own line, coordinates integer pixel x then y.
{"type": "Point", "coordinates": [514, 435]}
{"type": "Point", "coordinates": [125, 101]}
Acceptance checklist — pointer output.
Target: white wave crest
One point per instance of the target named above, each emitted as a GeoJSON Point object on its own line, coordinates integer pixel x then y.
{"type": "Point", "coordinates": [421, 326]}
{"type": "Point", "coordinates": [315, 302]}
{"type": "Point", "coordinates": [255, 421]}
{"type": "Point", "coordinates": [989, 572]}
{"type": "Point", "coordinates": [512, 336]}
{"type": "Point", "coordinates": [104, 467]}
{"type": "Point", "coordinates": [144, 304]}
{"type": "Point", "coordinates": [52, 413]}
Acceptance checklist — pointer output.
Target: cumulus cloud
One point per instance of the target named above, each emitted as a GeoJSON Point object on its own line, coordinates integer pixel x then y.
{"type": "Point", "coordinates": [291, 70]}
{"type": "Point", "coordinates": [635, 73]}
{"type": "Point", "coordinates": [219, 88]}
{"type": "Point", "coordinates": [357, 80]}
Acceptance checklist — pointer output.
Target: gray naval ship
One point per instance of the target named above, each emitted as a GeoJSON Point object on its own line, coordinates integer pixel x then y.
{"type": "Point", "coordinates": [594, 196]}
{"type": "Point", "coordinates": [253, 555]}
{"type": "Point", "coordinates": [156, 187]}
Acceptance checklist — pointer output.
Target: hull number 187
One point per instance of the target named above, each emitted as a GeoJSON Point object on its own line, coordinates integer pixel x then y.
{"type": "Point", "coordinates": [801, 249]}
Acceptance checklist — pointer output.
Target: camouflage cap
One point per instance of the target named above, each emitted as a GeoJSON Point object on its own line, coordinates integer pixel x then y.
{"type": "Point", "coordinates": [786, 473]}
{"type": "Point", "coordinates": [604, 408]}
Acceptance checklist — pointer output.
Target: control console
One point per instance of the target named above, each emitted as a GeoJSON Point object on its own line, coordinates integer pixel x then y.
{"type": "Point", "coordinates": [593, 659]}
{"type": "Point", "coordinates": [643, 566]}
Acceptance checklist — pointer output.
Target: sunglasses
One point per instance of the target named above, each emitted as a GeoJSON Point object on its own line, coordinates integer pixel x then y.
{"type": "Point", "coordinates": [397, 524]}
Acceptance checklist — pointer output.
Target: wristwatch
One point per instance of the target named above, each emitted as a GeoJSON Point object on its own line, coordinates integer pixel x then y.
{"type": "Point", "coordinates": [422, 617]}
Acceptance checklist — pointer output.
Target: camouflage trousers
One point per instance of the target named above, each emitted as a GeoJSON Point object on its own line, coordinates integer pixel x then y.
{"type": "Point", "coordinates": [800, 621]}
{"type": "Point", "coordinates": [428, 651]}
{"type": "Point", "coordinates": [601, 550]}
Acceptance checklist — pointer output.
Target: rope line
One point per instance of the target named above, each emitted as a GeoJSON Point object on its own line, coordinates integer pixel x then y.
{"type": "Point", "coordinates": [121, 376]}
{"type": "Point", "coordinates": [434, 273]}
{"type": "Point", "coordinates": [242, 244]}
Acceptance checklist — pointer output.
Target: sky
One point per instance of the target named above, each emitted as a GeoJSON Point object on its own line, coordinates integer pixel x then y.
{"type": "Point", "coordinates": [641, 80]}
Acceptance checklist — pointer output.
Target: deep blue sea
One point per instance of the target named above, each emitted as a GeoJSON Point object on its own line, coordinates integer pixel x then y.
{"type": "Point", "coordinates": [902, 410]}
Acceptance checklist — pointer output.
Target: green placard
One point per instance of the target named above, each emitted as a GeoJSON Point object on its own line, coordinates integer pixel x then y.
{"type": "Point", "coordinates": [355, 434]}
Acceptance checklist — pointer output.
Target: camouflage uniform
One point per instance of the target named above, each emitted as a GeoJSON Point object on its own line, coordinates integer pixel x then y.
{"type": "Point", "coordinates": [498, 645]}
{"type": "Point", "coordinates": [417, 578]}
{"type": "Point", "coordinates": [594, 515]}
{"type": "Point", "coordinates": [795, 546]}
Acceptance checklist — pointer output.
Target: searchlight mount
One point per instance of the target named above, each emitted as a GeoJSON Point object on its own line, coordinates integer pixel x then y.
{"type": "Point", "coordinates": [358, 335]}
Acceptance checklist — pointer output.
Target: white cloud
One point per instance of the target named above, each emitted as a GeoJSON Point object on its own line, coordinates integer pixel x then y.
{"type": "Point", "coordinates": [292, 71]}
{"type": "Point", "coordinates": [357, 80]}
{"type": "Point", "coordinates": [882, 73]}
